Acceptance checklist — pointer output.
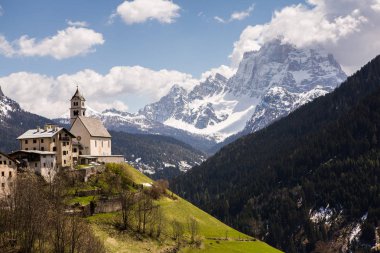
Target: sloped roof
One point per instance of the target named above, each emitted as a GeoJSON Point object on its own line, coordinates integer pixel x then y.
{"type": "Point", "coordinates": [78, 95]}
{"type": "Point", "coordinates": [94, 126]}
{"type": "Point", "coordinates": [7, 156]}
{"type": "Point", "coordinates": [42, 133]}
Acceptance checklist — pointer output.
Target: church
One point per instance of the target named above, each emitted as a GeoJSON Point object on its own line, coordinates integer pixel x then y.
{"type": "Point", "coordinates": [93, 141]}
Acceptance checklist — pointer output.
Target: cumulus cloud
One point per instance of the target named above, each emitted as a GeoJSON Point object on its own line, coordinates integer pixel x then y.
{"type": "Point", "coordinates": [224, 70]}
{"type": "Point", "coordinates": [101, 91]}
{"type": "Point", "coordinates": [347, 28]}
{"type": "Point", "coordinates": [72, 41]}
{"type": "Point", "coordinates": [236, 15]}
{"type": "Point", "coordinates": [140, 11]}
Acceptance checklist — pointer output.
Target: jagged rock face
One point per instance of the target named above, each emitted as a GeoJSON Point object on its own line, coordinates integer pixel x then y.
{"type": "Point", "coordinates": [268, 84]}
{"type": "Point", "coordinates": [191, 107]}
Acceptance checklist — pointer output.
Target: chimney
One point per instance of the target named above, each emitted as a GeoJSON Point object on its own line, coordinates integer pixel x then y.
{"type": "Point", "coordinates": [38, 129]}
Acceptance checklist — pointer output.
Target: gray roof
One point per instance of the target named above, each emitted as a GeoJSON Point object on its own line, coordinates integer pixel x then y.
{"type": "Point", "coordinates": [7, 156]}
{"type": "Point", "coordinates": [42, 133]}
{"type": "Point", "coordinates": [78, 95]}
{"type": "Point", "coordinates": [95, 127]}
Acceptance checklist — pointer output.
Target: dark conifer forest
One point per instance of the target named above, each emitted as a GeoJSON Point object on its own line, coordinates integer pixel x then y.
{"type": "Point", "coordinates": [326, 153]}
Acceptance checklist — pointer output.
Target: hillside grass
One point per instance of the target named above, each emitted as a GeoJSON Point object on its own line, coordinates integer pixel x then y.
{"type": "Point", "coordinates": [212, 232]}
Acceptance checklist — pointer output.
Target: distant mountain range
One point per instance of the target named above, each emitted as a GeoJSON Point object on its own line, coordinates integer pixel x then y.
{"type": "Point", "coordinates": [308, 182]}
{"type": "Point", "coordinates": [149, 153]}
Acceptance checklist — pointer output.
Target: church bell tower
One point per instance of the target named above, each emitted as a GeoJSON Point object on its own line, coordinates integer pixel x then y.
{"type": "Point", "coordinates": [77, 106]}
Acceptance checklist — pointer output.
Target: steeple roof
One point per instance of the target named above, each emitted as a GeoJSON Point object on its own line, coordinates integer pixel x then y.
{"type": "Point", "coordinates": [78, 95]}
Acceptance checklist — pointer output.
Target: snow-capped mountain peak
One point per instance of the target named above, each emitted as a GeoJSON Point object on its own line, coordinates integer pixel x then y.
{"type": "Point", "coordinates": [268, 84]}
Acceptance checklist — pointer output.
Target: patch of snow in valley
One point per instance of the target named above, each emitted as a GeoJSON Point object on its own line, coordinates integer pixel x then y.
{"type": "Point", "coordinates": [323, 214]}
{"type": "Point", "coordinates": [184, 166]}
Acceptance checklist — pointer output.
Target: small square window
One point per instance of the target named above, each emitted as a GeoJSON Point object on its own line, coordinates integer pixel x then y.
{"type": "Point", "coordinates": [34, 141]}
{"type": "Point", "coordinates": [42, 140]}
{"type": "Point", "coordinates": [3, 174]}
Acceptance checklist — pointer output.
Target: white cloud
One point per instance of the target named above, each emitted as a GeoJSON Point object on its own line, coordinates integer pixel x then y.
{"type": "Point", "coordinates": [347, 28]}
{"type": "Point", "coordinates": [77, 23]}
{"type": "Point", "coordinates": [236, 15]}
{"type": "Point", "coordinates": [223, 70]}
{"type": "Point", "coordinates": [5, 48]}
{"type": "Point", "coordinates": [140, 11]}
{"type": "Point", "coordinates": [1, 11]}
{"type": "Point", "coordinates": [72, 41]}
{"type": "Point", "coordinates": [49, 96]}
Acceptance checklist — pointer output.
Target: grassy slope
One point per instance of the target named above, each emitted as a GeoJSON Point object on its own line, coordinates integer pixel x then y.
{"type": "Point", "coordinates": [179, 209]}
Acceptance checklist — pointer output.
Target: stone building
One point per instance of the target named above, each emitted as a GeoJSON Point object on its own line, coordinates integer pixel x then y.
{"type": "Point", "coordinates": [43, 163]}
{"type": "Point", "coordinates": [8, 174]}
{"type": "Point", "coordinates": [51, 138]}
{"type": "Point", "coordinates": [94, 141]}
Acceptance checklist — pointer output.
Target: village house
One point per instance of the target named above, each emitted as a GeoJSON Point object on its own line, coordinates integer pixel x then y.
{"type": "Point", "coordinates": [51, 138]}
{"type": "Point", "coordinates": [8, 174]}
{"type": "Point", "coordinates": [41, 162]}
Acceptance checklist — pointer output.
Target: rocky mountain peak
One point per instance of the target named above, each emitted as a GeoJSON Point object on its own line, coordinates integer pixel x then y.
{"type": "Point", "coordinates": [1, 93]}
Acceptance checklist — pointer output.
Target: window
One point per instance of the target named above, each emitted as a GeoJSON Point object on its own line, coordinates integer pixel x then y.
{"type": "Point", "coordinates": [95, 143]}
{"type": "Point", "coordinates": [53, 139]}
{"type": "Point", "coordinates": [10, 162]}
{"type": "Point", "coordinates": [42, 140]}
{"type": "Point", "coordinates": [83, 113]}
{"type": "Point", "coordinates": [34, 141]}
{"type": "Point", "coordinates": [64, 161]}
{"type": "Point", "coordinates": [3, 174]}
{"type": "Point", "coordinates": [3, 185]}
{"type": "Point", "coordinates": [51, 164]}
{"type": "Point", "coordinates": [35, 165]}
{"type": "Point", "coordinates": [64, 143]}
{"type": "Point", "coordinates": [26, 141]}
{"type": "Point", "coordinates": [74, 150]}
{"type": "Point", "coordinates": [34, 148]}
{"type": "Point", "coordinates": [10, 173]}
{"type": "Point", "coordinates": [54, 148]}
{"type": "Point", "coordinates": [42, 149]}
{"type": "Point", "coordinates": [64, 152]}
{"type": "Point", "coordinates": [1, 162]}
{"type": "Point", "coordinates": [75, 113]}
{"type": "Point", "coordinates": [44, 165]}
{"type": "Point", "coordinates": [26, 149]}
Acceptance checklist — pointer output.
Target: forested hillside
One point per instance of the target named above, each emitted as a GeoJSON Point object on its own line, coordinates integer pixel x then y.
{"type": "Point", "coordinates": [305, 182]}
{"type": "Point", "coordinates": [158, 155]}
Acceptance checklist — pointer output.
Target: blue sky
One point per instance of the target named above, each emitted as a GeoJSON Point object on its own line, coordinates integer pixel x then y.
{"type": "Point", "coordinates": [194, 43]}
{"type": "Point", "coordinates": [125, 54]}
